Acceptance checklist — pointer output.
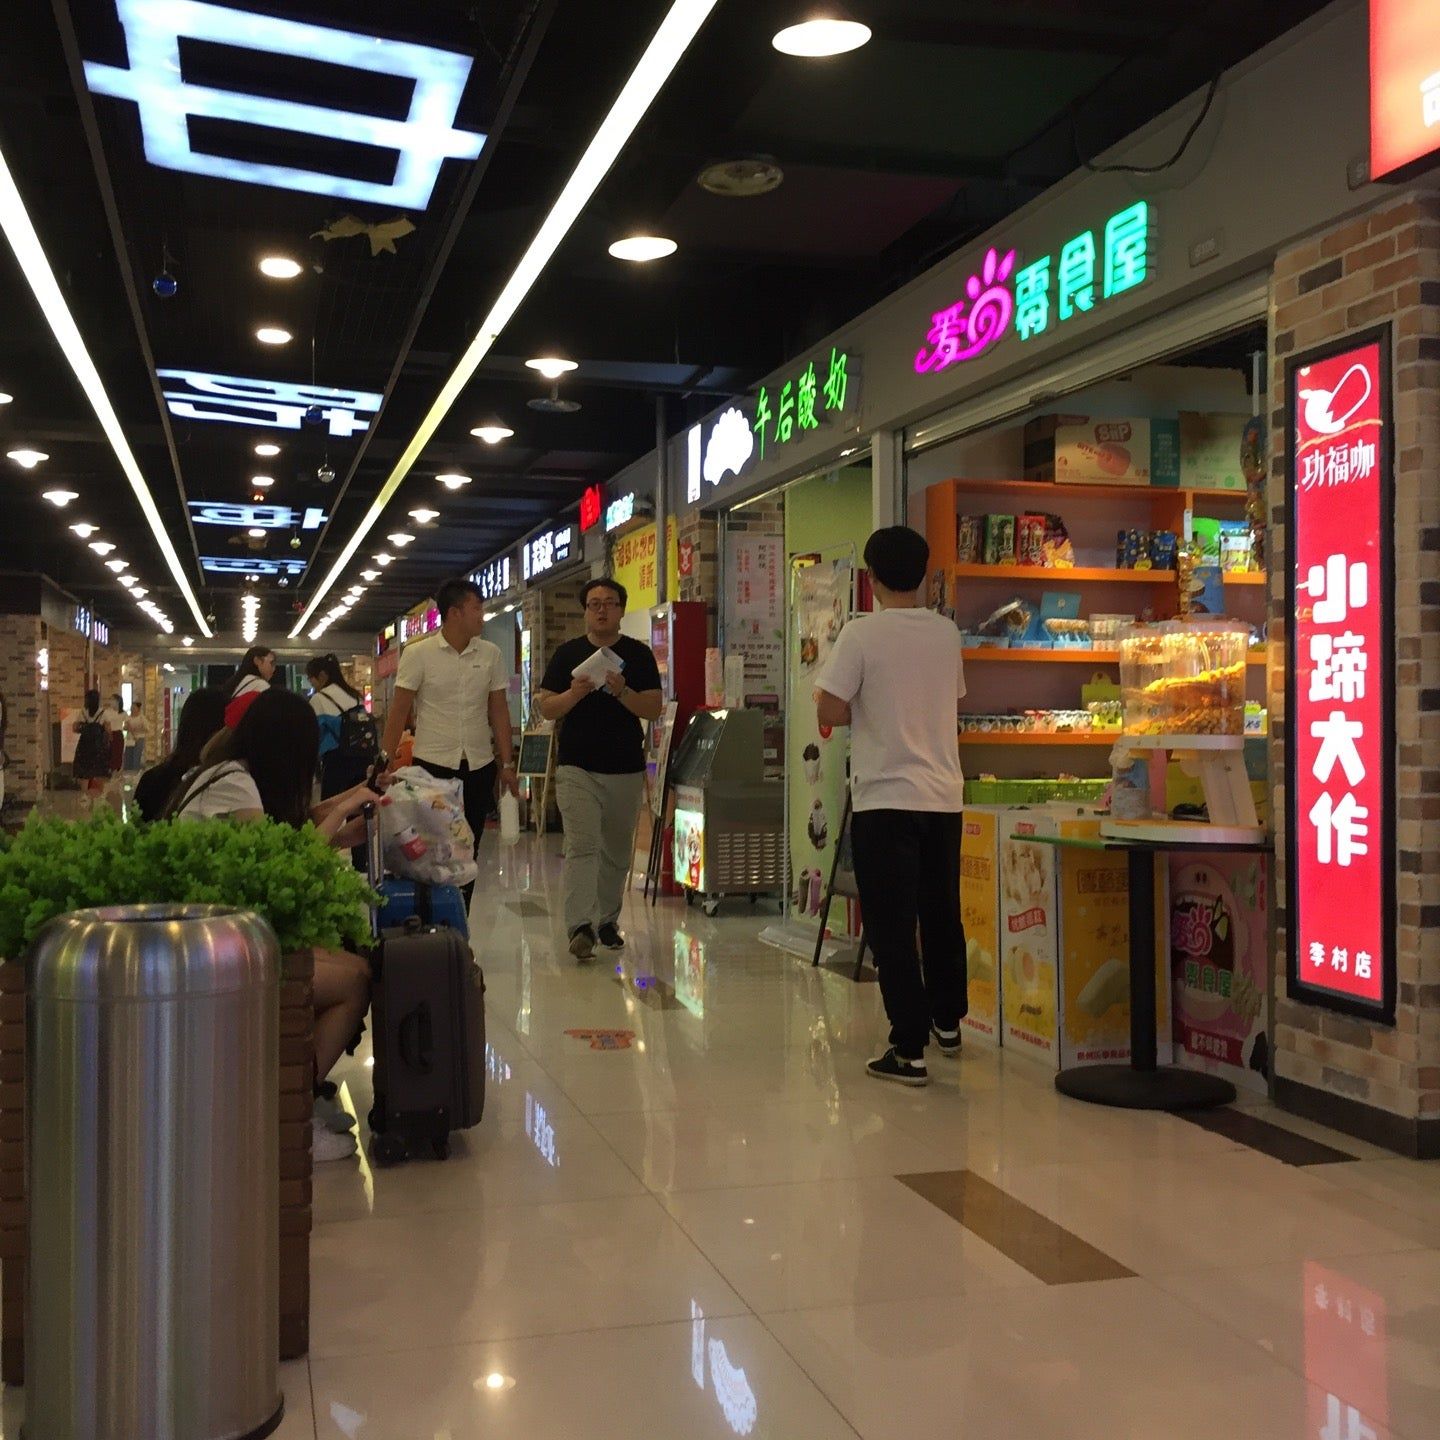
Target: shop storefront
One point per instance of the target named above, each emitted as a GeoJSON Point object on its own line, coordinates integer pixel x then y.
{"type": "Point", "coordinates": [1086, 412]}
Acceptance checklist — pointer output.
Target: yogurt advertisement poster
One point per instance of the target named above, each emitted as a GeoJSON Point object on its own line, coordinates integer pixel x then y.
{"type": "Point", "coordinates": [1029, 943]}
{"type": "Point", "coordinates": [1219, 937]}
{"type": "Point", "coordinates": [979, 892]}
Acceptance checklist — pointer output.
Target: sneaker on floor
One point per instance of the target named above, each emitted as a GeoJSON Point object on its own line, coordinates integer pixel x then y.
{"type": "Point", "coordinates": [333, 1116]}
{"type": "Point", "coordinates": [610, 936]}
{"type": "Point", "coordinates": [582, 944]}
{"type": "Point", "coordinates": [947, 1040]}
{"type": "Point", "coordinates": [326, 1145]}
{"type": "Point", "coordinates": [891, 1066]}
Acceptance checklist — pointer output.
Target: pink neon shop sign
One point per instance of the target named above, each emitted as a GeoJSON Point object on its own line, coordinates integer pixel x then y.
{"type": "Point", "coordinates": [970, 326]}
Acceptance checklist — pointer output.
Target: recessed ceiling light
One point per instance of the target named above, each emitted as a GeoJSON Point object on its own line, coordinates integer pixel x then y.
{"type": "Point", "coordinates": [129, 581]}
{"type": "Point", "coordinates": [399, 539]}
{"type": "Point", "coordinates": [454, 480]}
{"type": "Point", "coordinates": [369, 574]}
{"type": "Point", "coordinates": [273, 335]}
{"type": "Point", "coordinates": [822, 36]}
{"type": "Point", "coordinates": [256, 533]}
{"type": "Point", "coordinates": [490, 434]}
{"type": "Point", "coordinates": [60, 498]}
{"type": "Point", "coordinates": [381, 558]}
{"type": "Point", "coordinates": [101, 547]}
{"type": "Point", "coordinates": [262, 482]}
{"type": "Point", "coordinates": [639, 249]}
{"type": "Point", "coordinates": [29, 459]}
{"type": "Point", "coordinates": [280, 267]}
{"type": "Point", "coordinates": [117, 565]}
{"type": "Point", "coordinates": [552, 367]}
{"type": "Point", "coordinates": [742, 179]}
{"type": "Point", "coordinates": [84, 529]}
{"type": "Point", "coordinates": [187, 641]}
{"type": "Point", "coordinates": [422, 516]}
{"type": "Point", "coordinates": [6, 399]}
{"type": "Point", "coordinates": [139, 591]}
{"type": "Point", "coordinates": [265, 450]}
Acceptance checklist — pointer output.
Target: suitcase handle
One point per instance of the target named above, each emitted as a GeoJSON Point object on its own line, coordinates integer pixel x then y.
{"type": "Point", "coordinates": [417, 1039]}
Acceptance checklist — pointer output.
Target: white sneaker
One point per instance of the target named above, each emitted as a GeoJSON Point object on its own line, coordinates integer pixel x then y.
{"type": "Point", "coordinates": [333, 1116]}
{"type": "Point", "coordinates": [326, 1145]}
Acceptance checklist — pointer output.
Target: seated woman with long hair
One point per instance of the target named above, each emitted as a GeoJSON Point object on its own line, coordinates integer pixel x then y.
{"type": "Point", "coordinates": [203, 714]}
{"type": "Point", "coordinates": [262, 768]}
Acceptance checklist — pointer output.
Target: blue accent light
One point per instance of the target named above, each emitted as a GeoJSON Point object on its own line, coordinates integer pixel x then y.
{"type": "Point", "coordinates": [155, 82]}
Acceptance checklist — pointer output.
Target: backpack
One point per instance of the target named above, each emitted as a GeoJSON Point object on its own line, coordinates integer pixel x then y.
{"type": "Point", "coordinates": [92, 750]}
{"type": "Point", "coordinates": [359, 738]}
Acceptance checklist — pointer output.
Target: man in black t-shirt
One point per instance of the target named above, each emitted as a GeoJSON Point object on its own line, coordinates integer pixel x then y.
{"type": "Point", "coordinates": [600, 770]}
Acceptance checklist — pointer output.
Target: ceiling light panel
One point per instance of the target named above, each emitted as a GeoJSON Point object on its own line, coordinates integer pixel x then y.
{"type": "Point", "coordinates": [490, 434]}
{"type": "Point", "coordinates": [681, 24]}
{"type": "Point", "coordinates": [642, 249]}
{"type": "Point", "coordinates": [424, 139]}
{"type": "Point", "coordinates": [280, 267]}
{"type": "Point", "coordinates": [270, 404]}
{"type": "Point", "coordinates": [273, 335]}
{"type": "Point", "coordinates": [821, 37]}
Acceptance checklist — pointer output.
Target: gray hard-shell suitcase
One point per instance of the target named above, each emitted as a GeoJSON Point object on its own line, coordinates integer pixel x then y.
{"type": "Point", "coordinates": [428, 1027]}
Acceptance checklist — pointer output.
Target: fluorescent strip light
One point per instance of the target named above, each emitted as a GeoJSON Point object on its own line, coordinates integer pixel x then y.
{"type": "Point", "coordinates": [20, 232]}
{"type": "Point", "coordinates": [680, 26]}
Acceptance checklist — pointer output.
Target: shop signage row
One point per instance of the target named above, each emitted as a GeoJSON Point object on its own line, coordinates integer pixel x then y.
{"type": "Point", "coordinates": [495, 578]}
{"type": "Point", "coordinates": [744, 435]}
{"type": "Point", "coordinates": [1404, 85]}
{"type": "Point", "coordinates": [547, 551]}
{"type": "Point", "coordinates": [1340, 784]}
{"type": "Point", "coordinates": [83, 622]}
{"type": "Point", "coordinates": [592, 508]}
{"type": "Point", "coordinates": [620, 512]}
{"type": "Point", "coordinates": [1034, 298]}
{"type": "Point", "coordinates": [424, 621]}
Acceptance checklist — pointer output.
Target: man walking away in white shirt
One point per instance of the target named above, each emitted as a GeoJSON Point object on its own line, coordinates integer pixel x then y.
{"type": "Point", "coordinates": [455, 685]}
{"type": "Point", "coordinates": [896, 678]}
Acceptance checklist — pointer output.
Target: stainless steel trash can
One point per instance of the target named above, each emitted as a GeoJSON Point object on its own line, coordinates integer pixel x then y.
{"type": "Point", "coordinates": [152, 1148]}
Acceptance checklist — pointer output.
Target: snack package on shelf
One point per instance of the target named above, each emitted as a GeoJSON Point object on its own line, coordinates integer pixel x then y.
{"type": "Point", "coordinates": [1185, 677]}
{"type": "Point", "coordinates": [1009, 622]}
{"type": "Point", "coordinates": [1030, 540]}
{"type": "Point", "coordinates": [1237, 546]}
{"type": "Point", "coordinates": [999, 540]}
{"type": "Point", "coordinates": [969, 538]}
{"type": "Point", "coordinates": [1056, 550]}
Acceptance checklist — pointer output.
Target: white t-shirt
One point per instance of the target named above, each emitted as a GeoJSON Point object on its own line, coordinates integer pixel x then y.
{"type": "Point", "coordinates": [452, 698]}
{"type": "Point", "coordinates": [895, 669]}
{"type": "Point", "coordinates": [332, 700]}
{"type": "Point", "coordinates": [136, 727]}
{"type": "Point", "coordinates": [227, 788]}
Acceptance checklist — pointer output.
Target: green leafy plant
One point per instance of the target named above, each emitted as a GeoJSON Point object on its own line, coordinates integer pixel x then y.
{"type": "Point", "coordinates": [306, 889]}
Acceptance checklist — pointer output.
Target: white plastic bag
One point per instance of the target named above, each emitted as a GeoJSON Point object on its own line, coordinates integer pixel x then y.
{"type": "Point", "coordinates": [424, 831]}
{"type": "Point", "coordinates": [509, 819]}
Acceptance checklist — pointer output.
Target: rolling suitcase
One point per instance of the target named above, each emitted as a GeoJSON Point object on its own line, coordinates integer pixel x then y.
{"type": "Point", "coordinates": [428, 1027]}
{"type": "Point", "coordinates": [433, 904]}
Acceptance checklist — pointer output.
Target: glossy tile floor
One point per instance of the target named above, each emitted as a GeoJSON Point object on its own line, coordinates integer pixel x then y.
{"type": "Point", "coordinates": [696, 1230]}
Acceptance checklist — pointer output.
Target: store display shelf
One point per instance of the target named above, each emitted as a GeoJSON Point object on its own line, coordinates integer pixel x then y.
{"type": "Point", "coordinates": [997, 654]}
{"type": "Point", "coordinates": [1247, 577]}
{"type": "Point", "coordinates": [1078, 576]}
{"type": "Point", "coordinates": [968, 737]}
{"type": "Point", "coordinates": [1048, 489]}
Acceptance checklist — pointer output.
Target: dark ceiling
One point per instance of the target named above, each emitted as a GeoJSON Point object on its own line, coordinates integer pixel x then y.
{"type": "Point", "coordinates": [956, 113]}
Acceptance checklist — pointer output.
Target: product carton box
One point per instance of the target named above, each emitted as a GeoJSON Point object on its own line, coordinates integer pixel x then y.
{"type": "Point", "coordinates": [1102, 450]}
{"type": "Point", "coordinates": [1210, 451]}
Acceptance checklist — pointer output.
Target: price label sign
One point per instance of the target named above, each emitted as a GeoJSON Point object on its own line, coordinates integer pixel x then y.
{"type": "Point", "coordinates": [1340, 760]}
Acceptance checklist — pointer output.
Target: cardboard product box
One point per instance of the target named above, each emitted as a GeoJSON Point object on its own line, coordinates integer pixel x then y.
{"type": "Point", "coordinates": [1103, 450]}
{"type": "Point", "coordinates": [1210, 450]}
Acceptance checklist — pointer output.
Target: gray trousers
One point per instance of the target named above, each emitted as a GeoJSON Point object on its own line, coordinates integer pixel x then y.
{"type": "Point", "coordinates": [599, 812]}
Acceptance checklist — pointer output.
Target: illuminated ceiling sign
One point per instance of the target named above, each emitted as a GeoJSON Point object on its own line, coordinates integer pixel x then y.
{"type": "Point", "coordinates": [82, 622]}
{"type": "Point", "coordinates": [261, 517]}
{"type": "Point", "coordinates": [620, 512]}
{"type": "Point", "coordinates": [272, 404]}
{"type": "Point", "coordinates": [168, 104]}
{"type": "Point", "coordinates": [592, 507]}
{"type": "Point", "coordinates": [493, 579]}
{"type": "Point", "coordinates": [547, 550]}
{"type": "Point", "coordinates": [251, 565]}
{"type": "Point", "coordinates": [1404, 84]}
{"type": "Point", "coordinates": [1037, 297]}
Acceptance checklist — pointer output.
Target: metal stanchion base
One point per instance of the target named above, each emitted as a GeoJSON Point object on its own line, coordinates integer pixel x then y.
{"type": "Point", "coordinates": [1167, 1088]}
{"type": "Point", "coordinates": [267, 1429]}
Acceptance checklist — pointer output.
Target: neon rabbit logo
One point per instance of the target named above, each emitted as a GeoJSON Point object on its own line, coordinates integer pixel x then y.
{"type": "Point", "coordinates": [955, 336]}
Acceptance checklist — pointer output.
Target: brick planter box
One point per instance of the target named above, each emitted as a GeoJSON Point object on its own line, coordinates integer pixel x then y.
{"type": "Point", "coordinates": [297, 1056]}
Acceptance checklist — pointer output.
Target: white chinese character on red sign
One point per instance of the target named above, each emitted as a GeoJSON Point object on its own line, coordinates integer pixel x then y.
{"type": "Point", "coordinates": [1336, 588]}
{"type": "Point", "coordinates": [1337, 736]}
{"type": "Point", "coordinates": [1340, 960]}
{"type": "Point", "coordinates": [1339, 830]}
{"type": "Point", "coordinates": [1364, 970]}
{"type": "Point", "coordinates": [1340, 664]}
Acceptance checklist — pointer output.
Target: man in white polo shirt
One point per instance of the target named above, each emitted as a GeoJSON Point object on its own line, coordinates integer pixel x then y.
{"type": "Point", "coordinates": [455, 684]}
{"type": "Point", "coordinates": [896, 678]}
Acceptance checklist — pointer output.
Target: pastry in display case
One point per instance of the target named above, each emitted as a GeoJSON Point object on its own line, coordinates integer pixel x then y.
{"type": "Point", "coordinates": [1184, 677]}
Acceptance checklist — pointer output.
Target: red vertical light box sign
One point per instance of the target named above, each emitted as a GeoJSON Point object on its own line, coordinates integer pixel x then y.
{"type": "Point", "coordinates": [1404, 87]}
{"type": "Point", "coordinates": [1340, 777]}
{"type": "Point", "coordinates": [592, 506]}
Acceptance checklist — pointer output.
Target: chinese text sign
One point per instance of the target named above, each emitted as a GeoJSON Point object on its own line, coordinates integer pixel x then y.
{"type": "Point", "coordinates": [1404, 84]}
{"type": "Point", "coordinates": [1341, 786]}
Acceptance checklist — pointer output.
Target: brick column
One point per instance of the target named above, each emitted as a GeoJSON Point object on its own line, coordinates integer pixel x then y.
{"type": "Point", "coordinates": [20, 685]}
{"type": "Point", "coordinates": [1374, 1081]}
{"type": "Point", "coordinates": [297, 1061]}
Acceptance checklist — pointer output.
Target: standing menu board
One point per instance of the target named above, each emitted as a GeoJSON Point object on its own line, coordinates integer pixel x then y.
{"type": "Point", "coordinates": [1340, 766]}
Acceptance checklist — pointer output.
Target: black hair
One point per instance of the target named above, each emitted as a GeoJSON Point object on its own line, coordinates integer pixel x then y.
{"type": "Point", "coordinates": [329, 665]}
{"type": "Point", "coordinates": [92, 702]}
{"type": "Point", "coordinates": [604, 584]}
{"type": "Point", "coordinates": [201, 718]}
{"type": "Point", "coordinates": [278, 742]}
{"type": "Point", "coordinates": [248, 666]}
{"type": "Point", "coordinates": [453, 593]}
{"type": "Point", "coordinates": [898, 558]}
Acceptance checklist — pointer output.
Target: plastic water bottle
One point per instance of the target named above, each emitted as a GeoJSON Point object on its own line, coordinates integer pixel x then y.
{"type": "Point", "coordinates": [509, 819]}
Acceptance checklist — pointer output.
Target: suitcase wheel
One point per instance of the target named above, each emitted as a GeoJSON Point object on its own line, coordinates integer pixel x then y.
{"type": "Point", "coordinates": [387, 1149]}
{"type": "Point", "coordinates": [442, 1149]}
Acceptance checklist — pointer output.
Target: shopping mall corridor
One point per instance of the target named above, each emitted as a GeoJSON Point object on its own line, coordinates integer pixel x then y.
{"type": "Point", "coordinates": [699, 1218]}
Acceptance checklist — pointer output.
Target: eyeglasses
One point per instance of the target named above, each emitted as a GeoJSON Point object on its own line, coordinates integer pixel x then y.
{"type": "Point", "coordinates": [602, 604]}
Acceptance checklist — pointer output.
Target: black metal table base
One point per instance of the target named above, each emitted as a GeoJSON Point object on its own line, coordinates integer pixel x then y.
{"type": "Point", "coordinates": [1165, 1088]}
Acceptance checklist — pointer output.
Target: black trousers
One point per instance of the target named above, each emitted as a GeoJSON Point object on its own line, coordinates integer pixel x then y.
{"type": "Point", "coordinates": [907, 866]}
{"type": "Point", "coordinates": [477, 795]}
